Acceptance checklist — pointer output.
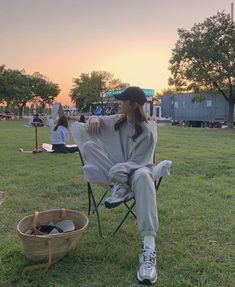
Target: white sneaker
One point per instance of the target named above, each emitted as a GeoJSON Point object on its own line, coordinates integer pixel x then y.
{"type": "Point", "coordinates": [147, 273]}
{"type": "Point", "coordinates": [120, 193]}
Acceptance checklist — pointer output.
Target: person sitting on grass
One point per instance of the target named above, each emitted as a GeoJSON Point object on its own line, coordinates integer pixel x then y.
{"type": "Point", "coordinates": [36, 119]}
{"type": "Point", "coordinates": [59, 136]}
{"type": "Point", "coordinates": [50, 122]}
{"type": "Point", "coordinates": [82, 119]}
{"type": "Point", "coordinates": [128, 167]}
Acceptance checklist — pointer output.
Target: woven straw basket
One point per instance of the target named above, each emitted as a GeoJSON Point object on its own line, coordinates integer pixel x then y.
{"type": "Point", "coordinates": [52, 246]}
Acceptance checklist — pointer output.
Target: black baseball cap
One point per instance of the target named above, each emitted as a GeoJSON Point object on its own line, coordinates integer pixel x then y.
{"type": "Point", "coordinates": [134, 94]}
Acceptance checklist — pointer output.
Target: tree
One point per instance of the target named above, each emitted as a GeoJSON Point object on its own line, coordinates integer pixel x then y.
{"type": "Point", "coordinates": [18, 88]}
{"type": "Point", "coordinates": [15, 88]}
{"type": "Point", "coordinates": [204, 59]}
{"type": "Point", "coordinates": [88, 88]}
{"type": "Point", "coordinates": [44, 91]}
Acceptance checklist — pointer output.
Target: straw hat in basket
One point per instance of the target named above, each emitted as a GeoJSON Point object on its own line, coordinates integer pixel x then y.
{"type": "Point", "coordinates": [51, 247]}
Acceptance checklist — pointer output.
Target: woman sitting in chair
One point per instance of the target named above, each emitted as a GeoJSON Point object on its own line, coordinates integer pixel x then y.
{"type": "Point", "coordinates": [125, 157]}
{"type": "Point", "coordinates": [59, 137]}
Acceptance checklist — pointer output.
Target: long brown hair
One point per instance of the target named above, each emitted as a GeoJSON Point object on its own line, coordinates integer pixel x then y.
{"type": "Point", "coordinates": [138, 116]}
{"type": "Point", "coordinates": [62, 121]}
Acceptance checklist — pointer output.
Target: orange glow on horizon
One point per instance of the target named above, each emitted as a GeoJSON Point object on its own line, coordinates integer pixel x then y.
{"type": "Point", "coordinates": [147, 69]}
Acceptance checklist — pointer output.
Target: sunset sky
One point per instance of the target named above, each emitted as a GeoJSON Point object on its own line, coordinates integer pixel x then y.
{"type": "Point", "coordinates": [131, 39]}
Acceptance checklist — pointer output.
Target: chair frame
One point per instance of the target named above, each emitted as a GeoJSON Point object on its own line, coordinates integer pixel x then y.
{"type": "Point", "coordinates": [91, 199]}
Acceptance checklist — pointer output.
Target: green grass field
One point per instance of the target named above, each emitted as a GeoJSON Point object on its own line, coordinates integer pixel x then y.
{"type": "Point", "coordinates": [195, 241]}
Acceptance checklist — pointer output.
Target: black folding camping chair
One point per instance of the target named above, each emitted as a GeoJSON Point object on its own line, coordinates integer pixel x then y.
{"type": "Point", "coordinates": [161, 170]}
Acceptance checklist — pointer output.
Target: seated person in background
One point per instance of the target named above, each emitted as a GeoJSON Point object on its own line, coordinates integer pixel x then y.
{"type": "Point", "coordinates": [82, 119]}
{"type": "Point", "coordinates": [36, 119]}
{"type": "Point", "coordinates": [50, 122]}
{"type": "Point", "coordinates": [30, 121]}
{"type": "Point", "coordinates": [59, 137]}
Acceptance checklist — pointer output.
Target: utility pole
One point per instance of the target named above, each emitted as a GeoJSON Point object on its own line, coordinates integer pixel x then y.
{"type": "Point", "coordinates": [232, 20]}
{"type": "Point", "coordinates": [232, 12]}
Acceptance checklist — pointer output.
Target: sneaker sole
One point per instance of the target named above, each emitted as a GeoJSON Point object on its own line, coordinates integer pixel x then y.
{"type": "Point", "coordinates": [146, 281]}
{"type": "Point", "coordinates": [115, 204]}
{"type": "Point", "coordinates": [112, 205]}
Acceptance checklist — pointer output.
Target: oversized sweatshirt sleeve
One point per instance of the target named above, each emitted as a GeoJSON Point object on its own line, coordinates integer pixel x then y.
{"type": "Point", "coordinates": [106, 138]}
{"type": "Point", "coordinates": [106, 122]}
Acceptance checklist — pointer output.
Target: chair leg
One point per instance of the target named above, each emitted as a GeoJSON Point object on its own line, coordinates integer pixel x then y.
{"type": "Point", "coordinates": [124, 218]}
{"type": "Point", "coordinates": [130, 208]}
{"type": "Point", "coordinates": [157, 184]}
{"type": "Point", "coordinates": [91, 196]}
{"type": "Point", "coordinates": [98, 204]}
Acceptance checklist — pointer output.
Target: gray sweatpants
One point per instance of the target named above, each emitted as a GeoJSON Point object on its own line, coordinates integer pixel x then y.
{"type": "Point", "coordinates": [141, 183]}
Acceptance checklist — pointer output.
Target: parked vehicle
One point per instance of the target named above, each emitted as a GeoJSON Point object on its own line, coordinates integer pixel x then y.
{"type": "Point", "coordinates": [195, 110]}
{"type": "Point", "coordinates": [6, 116]}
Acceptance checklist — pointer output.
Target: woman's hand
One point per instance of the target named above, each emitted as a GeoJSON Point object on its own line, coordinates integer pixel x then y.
{"type": "Point", "coordinates": [94, 125]}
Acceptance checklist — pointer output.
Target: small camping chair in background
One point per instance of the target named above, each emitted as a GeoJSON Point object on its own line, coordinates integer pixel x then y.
{"type": "Point", "coordinates": [93, 175]}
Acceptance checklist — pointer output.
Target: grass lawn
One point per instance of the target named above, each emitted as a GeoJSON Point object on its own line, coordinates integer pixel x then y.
{"type": "Point", "coordinates": [195, 241]}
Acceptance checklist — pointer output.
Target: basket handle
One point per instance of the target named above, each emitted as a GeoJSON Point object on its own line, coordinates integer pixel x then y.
{"type": "Point", "coordinates": [35, 219]}
{"type": "Point", "coordinates": [44, 266]}
{"type": "Point", "coordinates": [63, 213]}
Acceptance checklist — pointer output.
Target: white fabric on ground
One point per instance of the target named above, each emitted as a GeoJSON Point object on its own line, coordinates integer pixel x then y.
{"type": "Point", "coordinates": [48, 147]}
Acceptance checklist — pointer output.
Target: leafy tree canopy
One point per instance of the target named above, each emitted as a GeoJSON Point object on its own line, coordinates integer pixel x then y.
{"type": "Point", "coordinates": [88, 88]}
{"type": "Point", "coordinates": [18, 88]}
{"type": "Point", "coordinates": [204, 58]}
{"type": "Point", "coordinates": [44, 91]}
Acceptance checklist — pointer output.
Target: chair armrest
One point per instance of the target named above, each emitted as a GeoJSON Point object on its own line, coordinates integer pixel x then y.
{"type": "Point", "coordinates": [93, 174]}
{"type": "Point", "coordinates": [162, 169]}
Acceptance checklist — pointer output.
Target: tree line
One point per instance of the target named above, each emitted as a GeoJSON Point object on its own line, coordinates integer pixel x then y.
{"type": "Point", "coordinates": [18, 88]}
